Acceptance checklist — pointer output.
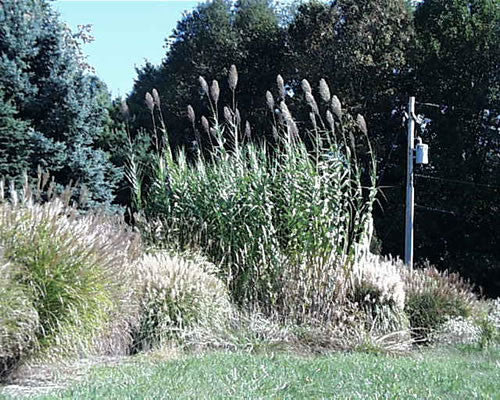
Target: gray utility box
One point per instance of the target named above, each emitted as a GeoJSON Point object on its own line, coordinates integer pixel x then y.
{"type": "Point", "coordinates": [421, 152]}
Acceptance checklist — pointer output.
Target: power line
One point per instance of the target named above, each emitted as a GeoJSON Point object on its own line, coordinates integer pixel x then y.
{"type": "Point", "coordinates": [438, 210]}
{"type": "Point", "coordinates": [458, 181]}
{"type": "Point", "coordinates": [445, 107]}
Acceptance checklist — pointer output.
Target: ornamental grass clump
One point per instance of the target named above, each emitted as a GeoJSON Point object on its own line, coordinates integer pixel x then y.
{"type": "Point", "coordinates": [70, 269]}
{"type": "Point", "coordinates": [376, 287]}
{"type": "Point", "coordinates": [177, 294]}
{"type": "Point", "coordinates": [434, 297]}
{"type": "Point", "coordinates": [277, 219]}
{"type": "Point", "coordinates": [18, 321]}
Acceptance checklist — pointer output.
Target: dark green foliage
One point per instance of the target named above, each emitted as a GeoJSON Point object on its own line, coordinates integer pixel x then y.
{"type": "Point", "coordinates": [15, 142]}
{"type": "Point", "coordinates": [42, 78]}
{"type": "Point", "coordinates": [456, 67]}
{"type": "Point", "coordinates": [205, 43]}
{"type": "Point", "coordinates": [358, 46]}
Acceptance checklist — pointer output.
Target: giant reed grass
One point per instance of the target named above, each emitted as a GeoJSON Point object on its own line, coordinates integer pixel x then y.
{"type": "Point", "coordinates": [276, 220]}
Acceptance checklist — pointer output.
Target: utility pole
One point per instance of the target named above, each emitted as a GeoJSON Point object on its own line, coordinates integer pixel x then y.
{"type": "Point", "coordinates": [410, 191]}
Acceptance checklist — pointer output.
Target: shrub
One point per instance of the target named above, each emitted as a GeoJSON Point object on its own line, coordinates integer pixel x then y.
{"type": "Point", "coordinates": [433, 297]}
{"type": "Point", "coordinates": [177, 293]}
{"type": "Point", "coordinates": [71, 267]}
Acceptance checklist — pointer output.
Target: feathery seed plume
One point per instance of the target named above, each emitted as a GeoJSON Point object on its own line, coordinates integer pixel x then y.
{"type": "Point", "coordinates": [228, 115]}
{"type": "Point", "coordinates": [312, 117]}
{"type": "Point", "coordinates": [281, 86]}
{"type": "Point", "coordinates": [324, 91]}
{"type": "Point", "coordinates": [205, 124]}
{"type": "Point", "coordinates": [156, 97]}
{"type": "Point", "coordinates": [306, 87]}
{"type": "Point", "coordinates": [233, 77]}
{"type": "Point", "coordinates": [360, 120]}
{"type": "Point", "coordinates": [336, 107]}
{"type": "Point", "coordinates": [248, 131]}
{"type": "Point", "coordinates": [203, 84]}
{"type": "Point", "coordinates": [190, 114]}
{"type": "Point", "coordinates": [215, 91]}
{"type": "Point", "coordinates": [270, 100]}
{"type": "Point", "coordinates": [331, 121]}
{"type": "Point", "coordinates": [285, 112]}
{"type": "Point", "coordinates": [312, 102]}
{"type": "Point", "coordinates": [149, 101]}
{"type": "Point", "coordinates": [238, 117]}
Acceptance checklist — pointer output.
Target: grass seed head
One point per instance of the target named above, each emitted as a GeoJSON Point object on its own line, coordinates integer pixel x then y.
{"type": "Point", "coordinates": [205, 124]}
{"type": "Point", "coordinates": [190, 114]}
{"type": "Point", "coordinates": [203, 84]}
{"type": "Point", "coordinates": [331, 121]}
{"type": "Point", "coordinates": [312, 102]}
{"type": "Point", "coordinates": [149, 101]}
{"type": "Point", "coordinates": [360, 120]}
{"type": "Point", "coordinates": [285, 112]}
{"type": "Point", "coordinates": [281, 86]}
{"type": "Point", "coordinates": [312, 117]}
{"type": "Point", "coordinates": [228, 115]}
{"type": "Point", "coordinates": [270, 101]}
{"type": "Point", "coordinates": [336, 107]}
{"type": "Point", "coordinates": [248, 130]}
{"type": "Point", "coordinates": [306, 87]}
{"type": "Point", "coordinates": [237, 116]}
{"type": "Point", "coordinates": [233, 77]}
{"type": "Point", "coordinates": [156, 98]}
{"type": "Point", "coordinates": [215, 91]}
{"type": "Point", "coordinates": [324, 91]}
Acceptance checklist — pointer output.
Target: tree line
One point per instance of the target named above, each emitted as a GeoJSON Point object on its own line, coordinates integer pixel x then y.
{"type": "Point", "coordinates": [374, 54]}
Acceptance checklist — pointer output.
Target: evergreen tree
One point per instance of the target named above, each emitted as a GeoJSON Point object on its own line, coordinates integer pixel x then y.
{"type": "Point", "coordinates": [15, 142]}
{"type": "Point", "coordinates": [42, 77]}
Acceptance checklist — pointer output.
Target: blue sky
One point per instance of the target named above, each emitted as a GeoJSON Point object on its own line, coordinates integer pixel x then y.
{"type": "Point", "coordinates": [126, 33]}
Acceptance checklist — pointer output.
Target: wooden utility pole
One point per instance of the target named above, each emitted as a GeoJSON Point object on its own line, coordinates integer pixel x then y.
{"type": "Point", "coordinates": [410, 191]}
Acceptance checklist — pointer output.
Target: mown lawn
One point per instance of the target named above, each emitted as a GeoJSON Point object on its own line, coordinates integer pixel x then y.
{"type": "Point", "coordinates": [445, 374]}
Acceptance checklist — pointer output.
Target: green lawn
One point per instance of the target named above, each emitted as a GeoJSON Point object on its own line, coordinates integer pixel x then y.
{"type": "Point", "coordinates": [447, 374]}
